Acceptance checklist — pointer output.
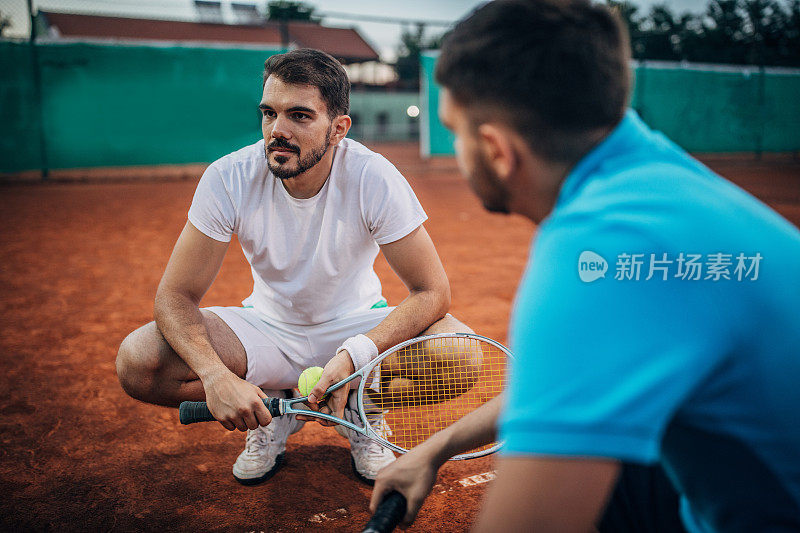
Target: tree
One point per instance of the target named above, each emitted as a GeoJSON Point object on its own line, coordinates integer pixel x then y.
{"type": "Point", "coordinates": [283, 10]}
{"type": "Point", "coordinates": [412, 43]}
{"type": "Point", "coordinates": [763, 31]}
{"type": "Point", "coordinates": [791, 42]}
{"type": "Point", "coordinates": [749, 32]}
{"type": "Point", "coordinates": [753, 32]}
{"type": "Point", "coordinates": [627, 11]}
{"type": "Point", "coordinates": [666, 35]}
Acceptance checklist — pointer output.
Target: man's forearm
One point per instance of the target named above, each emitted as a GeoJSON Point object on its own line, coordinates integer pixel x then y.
{"type": "Point", "coordinates": [475, 429]}
{"type": "Point", "coordinates": [414, 473]}
{"type": "Point", "coordinates": [180, 321]}
{"type": "Point", "coordinates": [411, 317]}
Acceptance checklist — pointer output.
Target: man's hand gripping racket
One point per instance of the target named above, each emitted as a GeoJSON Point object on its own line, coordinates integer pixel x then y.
{"type": "Point", "coordinates": [405, 395]}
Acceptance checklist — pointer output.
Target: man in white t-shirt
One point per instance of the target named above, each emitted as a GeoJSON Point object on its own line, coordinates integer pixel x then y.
{"type": "Point", "coordinates": [311, 209]}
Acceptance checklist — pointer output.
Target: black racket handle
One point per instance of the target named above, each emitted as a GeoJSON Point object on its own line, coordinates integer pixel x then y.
{"type": "Point", "coordinates": [389, 514]}
{"type": "Point", "coordinates": [191, 412]}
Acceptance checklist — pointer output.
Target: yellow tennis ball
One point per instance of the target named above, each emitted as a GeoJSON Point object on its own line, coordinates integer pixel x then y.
{"type": "Point", "coordinates": [308, 379]}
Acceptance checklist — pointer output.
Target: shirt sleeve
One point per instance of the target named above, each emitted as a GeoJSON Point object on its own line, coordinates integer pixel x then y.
{"type": "Point", "coordinates": [391, 209]}
{"type": "Point", "coordinates": [602, 365]}
{"type": "Point", "coordinates": [212, 210]}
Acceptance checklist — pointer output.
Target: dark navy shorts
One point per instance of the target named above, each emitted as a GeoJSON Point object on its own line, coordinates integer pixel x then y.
{"type": "Point", "coordinates": [644, 501]}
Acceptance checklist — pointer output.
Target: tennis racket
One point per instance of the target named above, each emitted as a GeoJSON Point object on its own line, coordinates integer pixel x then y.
{"type": "Point", "coordinates": [409, 392]}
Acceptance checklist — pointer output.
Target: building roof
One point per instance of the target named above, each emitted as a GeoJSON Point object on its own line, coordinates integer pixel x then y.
{"type": "Point", "coordinates": [345, 44]}
{"type": "Point", "coordinates": [338, 42]}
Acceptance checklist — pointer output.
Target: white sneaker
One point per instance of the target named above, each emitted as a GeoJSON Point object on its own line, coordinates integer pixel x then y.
{"type": "Point", "coordinates": [367, 456]}
{"type": "Point", "coordinates": [264, 450]}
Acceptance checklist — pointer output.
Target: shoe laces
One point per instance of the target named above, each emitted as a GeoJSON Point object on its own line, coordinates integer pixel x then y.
{"type": "Point", "coordinates": [372, 448]}
{"type": "Point", "coordinates": [351, 415]}
{"type": "Point", "coordinates": [256, 439]}
{"type": "Point", "coordinates": [375, 450]}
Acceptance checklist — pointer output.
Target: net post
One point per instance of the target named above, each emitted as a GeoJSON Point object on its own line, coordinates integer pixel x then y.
{"type": "Point", "coordinates": [37, 88]}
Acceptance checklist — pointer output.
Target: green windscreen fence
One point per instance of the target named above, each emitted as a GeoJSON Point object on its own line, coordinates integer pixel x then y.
{"type": "Point", "coordinates": [118, 105]}
{"type": "Point", "coordinates": [721, 109]}
{"type": "Point", "coordinates": [435, 139]}
{"type": "Point", "coordinates": [103, 105]}
{"type": "Point", "coordinates": [703, 108]}
{"type": "Point", "coordinates": [19, 115]}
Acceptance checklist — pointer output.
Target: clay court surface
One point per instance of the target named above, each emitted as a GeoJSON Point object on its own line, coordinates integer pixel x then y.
{"type": "Point", "coordinates": [80, 264]}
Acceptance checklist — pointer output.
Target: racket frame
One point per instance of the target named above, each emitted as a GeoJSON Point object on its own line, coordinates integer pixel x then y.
{"type": "Point", "coordinates": [286, 406]}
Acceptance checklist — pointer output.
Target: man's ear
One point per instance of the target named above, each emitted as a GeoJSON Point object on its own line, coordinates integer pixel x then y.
{"type": "Point", "coordinates": [341, 125]}
{"type": "Point", "coordinates": [498, 149]}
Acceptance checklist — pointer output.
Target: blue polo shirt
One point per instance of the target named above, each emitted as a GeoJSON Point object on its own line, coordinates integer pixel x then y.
{"type": "Point", "coordinates": [658, 321]}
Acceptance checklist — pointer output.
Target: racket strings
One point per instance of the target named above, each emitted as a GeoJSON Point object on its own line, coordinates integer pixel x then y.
{"type": "Point", "coordinates": [429, 385]}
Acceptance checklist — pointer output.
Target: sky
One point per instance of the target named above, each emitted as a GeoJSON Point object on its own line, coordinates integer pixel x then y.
{"type": "Point", "coordinates": [384, 37]}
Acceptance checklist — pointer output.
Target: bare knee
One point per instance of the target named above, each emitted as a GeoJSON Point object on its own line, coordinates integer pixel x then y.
{"type": "Point", "coordinates": [448, 324]}
{"type": "Point", "coordinates": [140, 362]}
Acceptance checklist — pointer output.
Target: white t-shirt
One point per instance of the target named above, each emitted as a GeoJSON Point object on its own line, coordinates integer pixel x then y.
{"type": "Point", "coordinates": [312, 259]}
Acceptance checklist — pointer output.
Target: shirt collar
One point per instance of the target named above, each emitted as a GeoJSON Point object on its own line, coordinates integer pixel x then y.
{"type": "Point", "coordinates": [627, 135]}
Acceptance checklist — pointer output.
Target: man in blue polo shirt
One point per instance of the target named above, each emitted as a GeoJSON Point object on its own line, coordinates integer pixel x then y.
{"type": "Point", "coordinates": [656, 329]}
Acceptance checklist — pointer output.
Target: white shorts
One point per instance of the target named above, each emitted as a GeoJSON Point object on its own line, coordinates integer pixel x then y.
{"type": "Point", "coordinates": [277, 353]}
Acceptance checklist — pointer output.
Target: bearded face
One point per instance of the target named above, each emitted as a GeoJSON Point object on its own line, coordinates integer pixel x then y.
{"type": "Point", "coordinates": [287, 160]}
{"type": "Point", "coordinates": [492, 192]}
{"type": "Point", "coordinates": [296, 127]}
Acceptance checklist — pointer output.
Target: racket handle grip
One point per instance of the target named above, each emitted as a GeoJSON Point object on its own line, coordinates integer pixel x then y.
{"type": "Point", "coordinates": [389, 514]}
{"type": "Point", "coordinates": [191, 412]}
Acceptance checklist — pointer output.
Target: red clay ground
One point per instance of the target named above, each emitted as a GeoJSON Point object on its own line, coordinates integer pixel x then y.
{"type": "Point", "coordinates": [81, 262]}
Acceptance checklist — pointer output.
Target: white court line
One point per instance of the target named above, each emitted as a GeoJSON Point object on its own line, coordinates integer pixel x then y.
{"type": "Point", "coordinates": [477, 479]}
{"type": "Point", "coordinates": [329, 516]}
{"type": "Point", "coordinates": [469, 481]}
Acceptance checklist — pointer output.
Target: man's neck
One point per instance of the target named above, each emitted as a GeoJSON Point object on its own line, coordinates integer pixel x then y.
{"type": "Point", "coordinates": [540, 191]}
{"type": "Point", "coordinates": [310, 182]}
{"type": "Point", "coordinates": [535, 194]}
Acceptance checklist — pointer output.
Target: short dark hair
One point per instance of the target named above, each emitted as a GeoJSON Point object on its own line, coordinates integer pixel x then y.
{"type": "Point", "coordinates": [557, 71]}
{"type": "Point", "coordinates": [306, 66]}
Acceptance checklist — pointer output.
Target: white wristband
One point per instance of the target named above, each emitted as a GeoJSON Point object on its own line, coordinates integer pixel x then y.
{"type": "Point", "coordinates": [361, 349]}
